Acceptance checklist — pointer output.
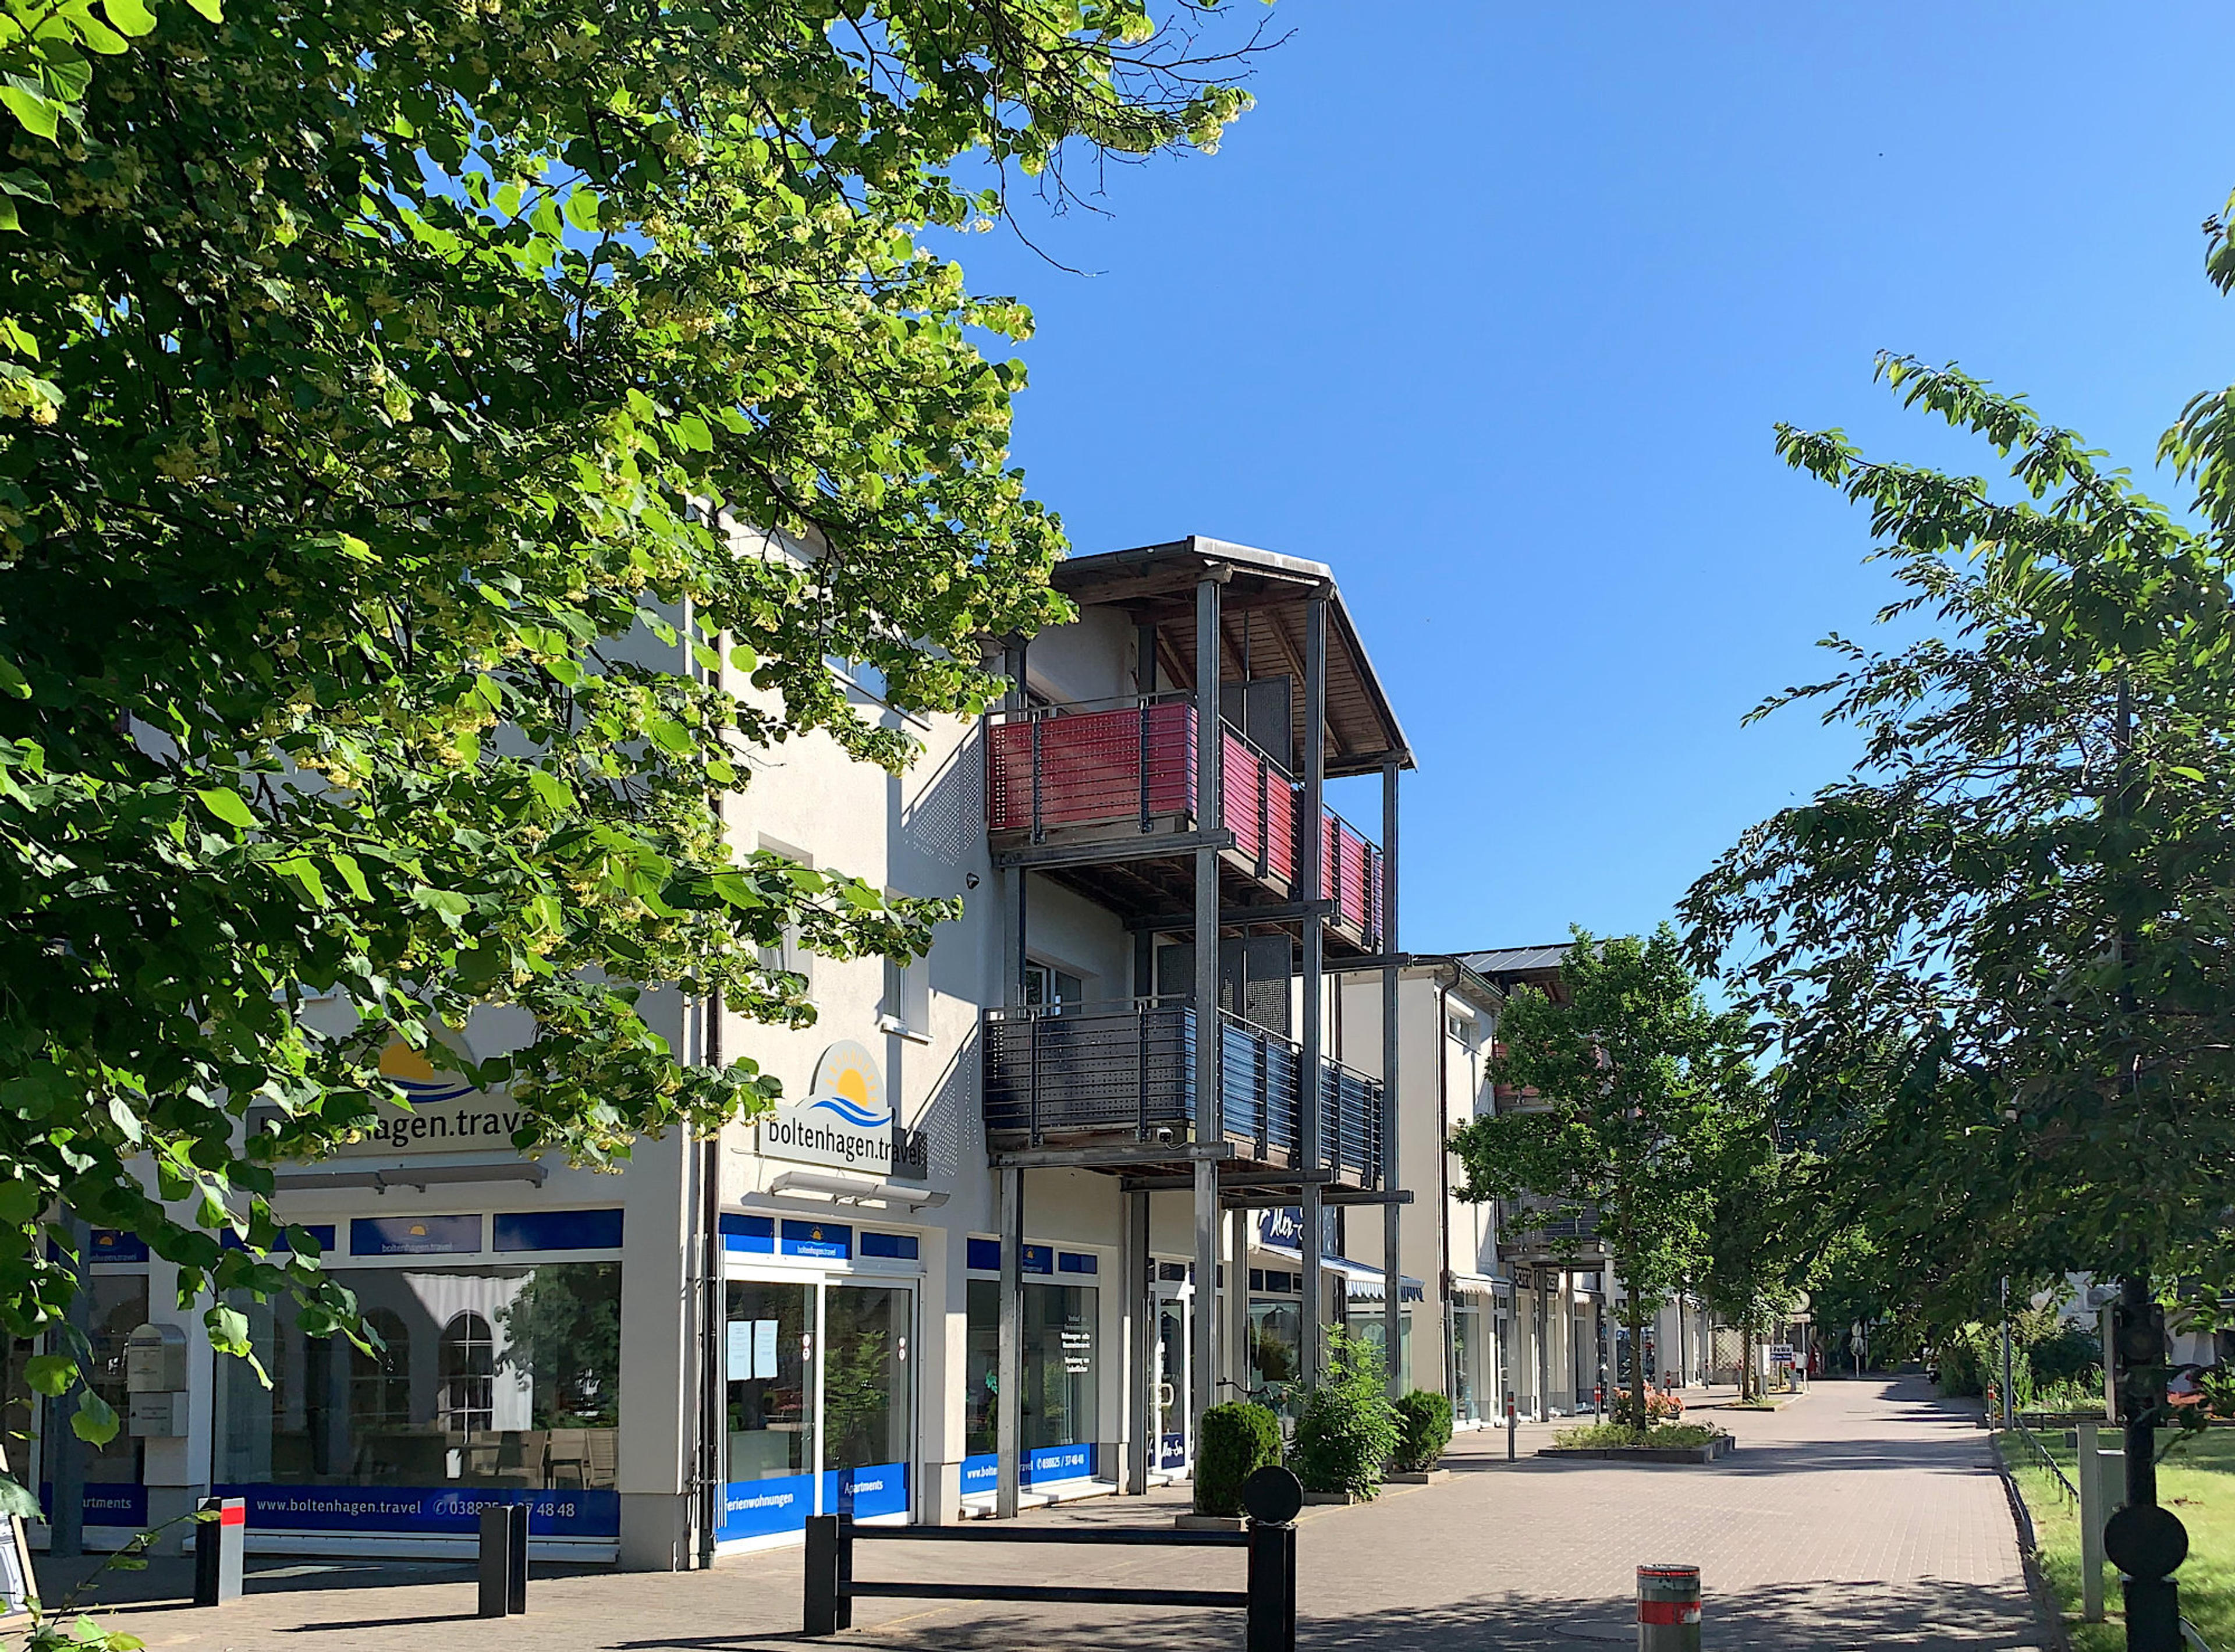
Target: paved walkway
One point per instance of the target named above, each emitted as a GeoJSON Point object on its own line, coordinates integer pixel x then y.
{"type": "Point", "coordinates": [1865, 1514]}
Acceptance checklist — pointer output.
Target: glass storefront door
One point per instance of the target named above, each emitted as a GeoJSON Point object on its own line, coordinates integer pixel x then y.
{"type": "Point", "coordinates": [1175, 1412]}
{"type": "Point", "coordinates": [1469, 1386]}
{"type": "Point", "coordinates": [821, 1402]}
{"type": "Point", "coordinates": [867, 1414]}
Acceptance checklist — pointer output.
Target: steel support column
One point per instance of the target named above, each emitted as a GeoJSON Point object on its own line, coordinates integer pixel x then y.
{"type": "Point", "coordinates": [1203, 1357]}
{"type": "Point", "coordinates": [1009, 1375]}
{"type": "Point", "coordinates": [1012, 878]}
{"type": "Point", "coordinates": [1141, 1311]}
{"type": "Point", "coordinates": [1237, 1298]}
{"type": "Point", "coordinates": [1393, 1217]}
{"type": "Point", "coordinates": [1309, 878]}
{"type": "Point", "coordinates": [1210, 816]}
{"type": "Point", "coordinates": [1544, 1352]}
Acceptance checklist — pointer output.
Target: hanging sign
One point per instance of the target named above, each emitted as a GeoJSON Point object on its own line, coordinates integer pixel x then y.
{"type": "Point", "coordinates": [1284, 1226]}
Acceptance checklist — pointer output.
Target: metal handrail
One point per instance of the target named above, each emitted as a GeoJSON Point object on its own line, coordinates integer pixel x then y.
{"type": "Point", "coordinates": [1132, 1006]}
{"type": "Point", "coordinates": [1067, 708]}
{"type": "Point", "coordinates": [2033, 1444]}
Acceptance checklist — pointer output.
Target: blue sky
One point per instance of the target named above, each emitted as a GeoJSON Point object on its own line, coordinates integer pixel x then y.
{"type": "Point", "coordinates": [1493, 308]}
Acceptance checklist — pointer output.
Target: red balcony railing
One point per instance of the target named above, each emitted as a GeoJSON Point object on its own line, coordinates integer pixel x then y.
{"type": "Point", "coordinates": [1126, 765]}
{"type": "Point", "coordinates": [1055, 768]}
{"type": "Point", "coordinates": [1353, 868]}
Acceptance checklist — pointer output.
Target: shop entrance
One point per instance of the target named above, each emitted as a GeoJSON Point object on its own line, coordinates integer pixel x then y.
{"type": "Point", "coordinates": [1174, 1396]}
{"type": "Point", "coordinates": [819, 1400]}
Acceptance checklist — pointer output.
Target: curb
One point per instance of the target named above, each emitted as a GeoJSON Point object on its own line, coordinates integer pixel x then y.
{"type": "Point", "coordinates": [2048, 1616]}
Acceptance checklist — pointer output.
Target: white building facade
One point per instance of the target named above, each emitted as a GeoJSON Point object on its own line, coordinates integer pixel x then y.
{"type": "Point", "coordinates": [1031, 1205]}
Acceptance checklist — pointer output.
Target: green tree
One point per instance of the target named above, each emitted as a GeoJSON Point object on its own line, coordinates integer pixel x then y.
{"type": "Point", "coordinates": [2000, 947]}
{"type": "Point", "coordinates": [1631, 1088]}
{"type": "Point", "coordinates": [440, 443]}
{"type": "Point", "coordinates": [1998, 950]}
{"type": "Point", "coordinates": [1752, 1257]}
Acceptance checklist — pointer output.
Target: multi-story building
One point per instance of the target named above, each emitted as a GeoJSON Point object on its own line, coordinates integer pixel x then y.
{"type": "Point", "coordinates": [1458, 1334]}
{"type": "Point", "coordinates": [1031, 1205]}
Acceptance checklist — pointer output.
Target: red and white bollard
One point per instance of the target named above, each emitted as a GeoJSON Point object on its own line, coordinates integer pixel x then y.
{"type": "Point", "coordinates": [1668, 1608]}
{"type": "Point", "coordinates": [1511, 1417]}
{"type": "Point", "coordinates": [1598, 1400]}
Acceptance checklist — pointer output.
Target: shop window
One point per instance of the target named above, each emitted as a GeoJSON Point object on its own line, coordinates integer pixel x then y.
{"type": "Point", "coordinates": [1275, 1345]}
{"type": "Point", "coordinates": [1060, 1379]}
{"type": "Point", "coordinates": [498, 1377]}
{"type": "Point", "coordinates": [1367, 1325]}
{"type": "Point", "coordinates": [766, 1378]}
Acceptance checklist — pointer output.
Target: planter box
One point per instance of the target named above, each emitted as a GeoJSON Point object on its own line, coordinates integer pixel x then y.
{"type": "Point", "coordinates": [1209, 1523]}
{"type": "Point", "coordinates": [1339, 1499]}
{"type": "Point", "coordinates": [1427, 1477]}
{"type": "Point", "coordinates": [1706, 1453]}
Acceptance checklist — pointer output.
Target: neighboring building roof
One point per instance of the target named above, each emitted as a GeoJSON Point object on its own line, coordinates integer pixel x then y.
{"type": "Point", "coordinates": [1515, 960]}
{"type": "Point", "coordinates": [1264, 604]}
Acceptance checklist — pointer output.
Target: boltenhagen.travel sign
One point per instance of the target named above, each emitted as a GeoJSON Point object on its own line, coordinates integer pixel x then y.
{"type": "Point", "coordinates": [845, 1121]}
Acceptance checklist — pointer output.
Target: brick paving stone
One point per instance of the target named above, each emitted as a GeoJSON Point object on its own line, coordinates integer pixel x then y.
{"type": "Point", "coordinates": [1865, 1514]}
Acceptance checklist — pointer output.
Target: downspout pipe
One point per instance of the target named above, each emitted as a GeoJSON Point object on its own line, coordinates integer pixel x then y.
{"type": "Point", "coordinates": [1444, 1183]}
{"type": "Point", "coordinates": [712, 1392]}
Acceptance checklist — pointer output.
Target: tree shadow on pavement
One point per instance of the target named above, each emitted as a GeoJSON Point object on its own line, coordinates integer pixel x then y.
{"type": "Point", "coordinates": [1942, 1617]}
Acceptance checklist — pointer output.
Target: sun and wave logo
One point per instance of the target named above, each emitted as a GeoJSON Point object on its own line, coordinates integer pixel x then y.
{"type": "Point", "coordinates": [416, 1076]}
{"type": "Point", "coordinates": [848, 1085]}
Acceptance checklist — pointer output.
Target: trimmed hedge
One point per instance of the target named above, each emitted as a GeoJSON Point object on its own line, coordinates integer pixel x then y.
{"type": "Point", "coordinates": [1237, 1440]}
{"type": "Point", "coordinates": [1424, 1429]}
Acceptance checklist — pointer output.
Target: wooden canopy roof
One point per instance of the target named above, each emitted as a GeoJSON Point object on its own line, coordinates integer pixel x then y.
{"type": "Point", "coordinates": [1262, 616]}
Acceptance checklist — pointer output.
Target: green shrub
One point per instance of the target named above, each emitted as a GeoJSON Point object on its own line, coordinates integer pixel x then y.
{"type": "Point", "coordinates": [2070, 1353]}
{"type": "Point", "coordinates": [1237, 1440]}
{"type": "Point", "coordinates": [1347, 1429]}
{"type": "Point", "coordinates": [1423, 1428]}
{"type": "Point", "coordinates": [1602, 1435]}
{"type": "Point", "coordinates": [1962, 1365]}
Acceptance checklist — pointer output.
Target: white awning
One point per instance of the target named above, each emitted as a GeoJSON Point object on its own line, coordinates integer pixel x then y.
{"type": "Point", "coordinates": [1361, 1281]}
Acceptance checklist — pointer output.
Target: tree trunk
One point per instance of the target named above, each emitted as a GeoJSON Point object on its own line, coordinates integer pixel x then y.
{"type": "Point", "coordinates": [1636, 1360]}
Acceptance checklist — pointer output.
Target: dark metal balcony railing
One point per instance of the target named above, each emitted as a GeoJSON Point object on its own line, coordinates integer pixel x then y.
{"type": "Point", "coordinates": [1070, 1070]}
{"type": "Point", "coordinates": [1541, 1225]}
{"type": "Point", "coordinates": [1122, 765]}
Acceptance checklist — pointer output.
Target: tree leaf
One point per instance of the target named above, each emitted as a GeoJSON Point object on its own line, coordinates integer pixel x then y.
{"type": "Point", "coordinates": [226, 805]}
{"type": "Point", "coordinates": [129, 16]}
{"type": "Point", "coordinates": [95, 1422]}
{"type": "Point", "coordinates": [17, 1500]}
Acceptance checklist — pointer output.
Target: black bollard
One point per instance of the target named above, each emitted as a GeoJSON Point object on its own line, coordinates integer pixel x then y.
{"type": "Point", "coordinates": [820, 1616]}
{"type": "Point", "coordinates": [1273, 1496]}
{"type": "Point", "coordinates": [516, 1543]}
{"type": "Point", "coordinates": [495, 1558]}
{"type": "Point", "coordinates": [1272, 1589]}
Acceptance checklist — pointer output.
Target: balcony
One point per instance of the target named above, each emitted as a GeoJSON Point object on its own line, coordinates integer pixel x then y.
{"type": "Point", "coordinates": [1068, 1074]}
{"type": "Point", "coordinates": [1123, 773]}
{"type": "Point", "coordinates": [1533, 1230]}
